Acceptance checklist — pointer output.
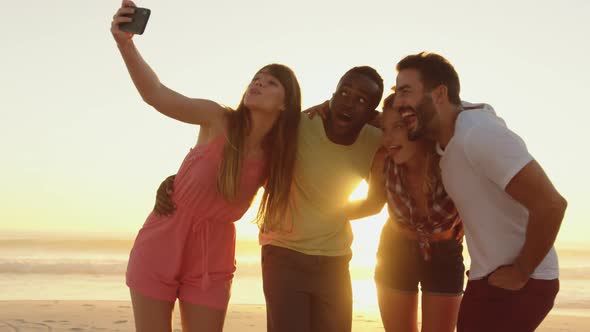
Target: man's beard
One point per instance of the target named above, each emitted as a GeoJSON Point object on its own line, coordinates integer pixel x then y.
{"type": "Point", "coordinates": [425, 112]}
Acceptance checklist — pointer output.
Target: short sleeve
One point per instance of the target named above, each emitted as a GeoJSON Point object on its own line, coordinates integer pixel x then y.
{"type": "Point", "coordinates": [496, 152]}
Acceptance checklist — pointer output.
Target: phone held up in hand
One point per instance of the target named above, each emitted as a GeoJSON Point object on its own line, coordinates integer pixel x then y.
{"type": "Point", "coordinates": [139, 20]}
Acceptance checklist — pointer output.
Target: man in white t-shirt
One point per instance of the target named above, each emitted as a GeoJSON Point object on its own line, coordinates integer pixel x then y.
{"type": "Point", "coordinates": [510, 209]}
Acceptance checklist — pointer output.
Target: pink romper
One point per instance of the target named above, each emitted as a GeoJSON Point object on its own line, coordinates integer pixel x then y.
{"type": "Point", "coordinates": [190, 255]}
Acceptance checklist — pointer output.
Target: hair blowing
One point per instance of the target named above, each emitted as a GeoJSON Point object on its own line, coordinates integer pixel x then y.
{"type": "Point", "coordinates": [280, 148]}
{"type": "Point", "coordinates": [434, 70]}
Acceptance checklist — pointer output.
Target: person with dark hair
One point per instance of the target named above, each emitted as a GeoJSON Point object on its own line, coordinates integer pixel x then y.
{"type": "Point", "coordinates": [190, 254]}
{"type": "Point", "coordinates": [305, 269]}
{"type": "Point", "coordinates": [510, 209]}
{"type": "Point", "coordinates": [305, 257]}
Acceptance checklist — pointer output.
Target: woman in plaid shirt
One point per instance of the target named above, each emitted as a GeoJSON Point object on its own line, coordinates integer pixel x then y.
{"type": "Point", "coordinates": [421, 242]}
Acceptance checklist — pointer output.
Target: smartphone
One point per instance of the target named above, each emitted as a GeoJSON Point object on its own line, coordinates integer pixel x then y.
{"type": "Point", "coordinates": [140, 18]}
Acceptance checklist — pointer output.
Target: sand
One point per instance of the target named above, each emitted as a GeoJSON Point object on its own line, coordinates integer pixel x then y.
{"type": "Point", "coordinates": [118, 316]}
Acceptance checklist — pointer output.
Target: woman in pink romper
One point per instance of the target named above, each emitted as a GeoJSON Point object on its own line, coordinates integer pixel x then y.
{"type": "Point", "coordinates": [190, 255]}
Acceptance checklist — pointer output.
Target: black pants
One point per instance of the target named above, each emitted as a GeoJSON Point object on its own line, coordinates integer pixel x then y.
{"type": "Point", "coordinates": [305, 292]}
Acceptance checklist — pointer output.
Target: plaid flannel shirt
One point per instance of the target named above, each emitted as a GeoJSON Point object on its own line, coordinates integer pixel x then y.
{"type": "Point", "coordinates": [442, 214]}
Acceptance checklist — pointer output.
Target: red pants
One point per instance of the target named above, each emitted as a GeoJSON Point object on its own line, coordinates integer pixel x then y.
{"type": "Point", "coordinates": [486, 308]}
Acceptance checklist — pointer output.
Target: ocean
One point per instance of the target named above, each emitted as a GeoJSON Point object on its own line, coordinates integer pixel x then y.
{"type": "Point", "coordinates": [94, 269]}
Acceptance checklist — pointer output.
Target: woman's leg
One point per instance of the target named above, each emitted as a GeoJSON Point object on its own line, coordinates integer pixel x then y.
{"type": "Point", "coordinates": [439, 312]}
{"type": "Point", "coordinates": [399, 309]}
{"type": "Point", "coordinates": [396, 275]}
{"type": "Point", "coordinates": [200, 318]}
{"type": "Point", "coordinates": [442, 286]}
{"type": "Point", "coordinates": [151, 314]}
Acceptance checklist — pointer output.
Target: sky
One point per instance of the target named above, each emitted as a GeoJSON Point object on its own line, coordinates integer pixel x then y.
{"type": "Point", "coordinates": [82, 154]}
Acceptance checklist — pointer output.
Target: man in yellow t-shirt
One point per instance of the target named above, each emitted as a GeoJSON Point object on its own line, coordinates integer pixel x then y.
{"type": "Point", "coordinates": [305, 271]}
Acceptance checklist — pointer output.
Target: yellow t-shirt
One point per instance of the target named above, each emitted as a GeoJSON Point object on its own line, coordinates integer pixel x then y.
{"type": "Point", "coordinates": [326, 174]}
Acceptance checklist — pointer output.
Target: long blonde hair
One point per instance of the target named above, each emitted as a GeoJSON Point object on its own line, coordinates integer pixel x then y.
{"type": "Point", "coordinates": [280, 149]}
{"type": "Point", "coordinates": [432, 173]}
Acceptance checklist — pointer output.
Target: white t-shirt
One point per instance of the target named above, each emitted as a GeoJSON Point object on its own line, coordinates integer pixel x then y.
{"type": "Point", "coordinates": [478, 163]}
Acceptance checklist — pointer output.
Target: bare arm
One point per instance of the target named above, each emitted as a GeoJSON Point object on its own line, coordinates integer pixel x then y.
{"type": "Point", "coordinates": [532, 188]}
{"type": "Point", "coordinates": [168, 102]}
{"type": "Point", "coordinates": [376, 196]}
{"type": "Point", "coordinates": [322, 110]}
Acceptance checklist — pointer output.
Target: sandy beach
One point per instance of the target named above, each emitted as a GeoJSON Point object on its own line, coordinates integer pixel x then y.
{"type": "Point", "coordinates": [118, 316]}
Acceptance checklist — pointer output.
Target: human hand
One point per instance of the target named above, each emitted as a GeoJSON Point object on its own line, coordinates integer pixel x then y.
{"type": "Point", "coordinates": [322, 110]}
{"type": "Point", "coordinates": [122, 37]}
{"type": "Point", "coordinates": [508, 277]}
{"type": "Point", "coordinates": [164, 205]}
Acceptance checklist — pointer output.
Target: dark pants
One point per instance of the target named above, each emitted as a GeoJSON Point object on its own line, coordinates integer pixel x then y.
{"type": "Point", "coordinates": [486, 308]}
{"type": "Point", "coordinates": [305, 292]}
